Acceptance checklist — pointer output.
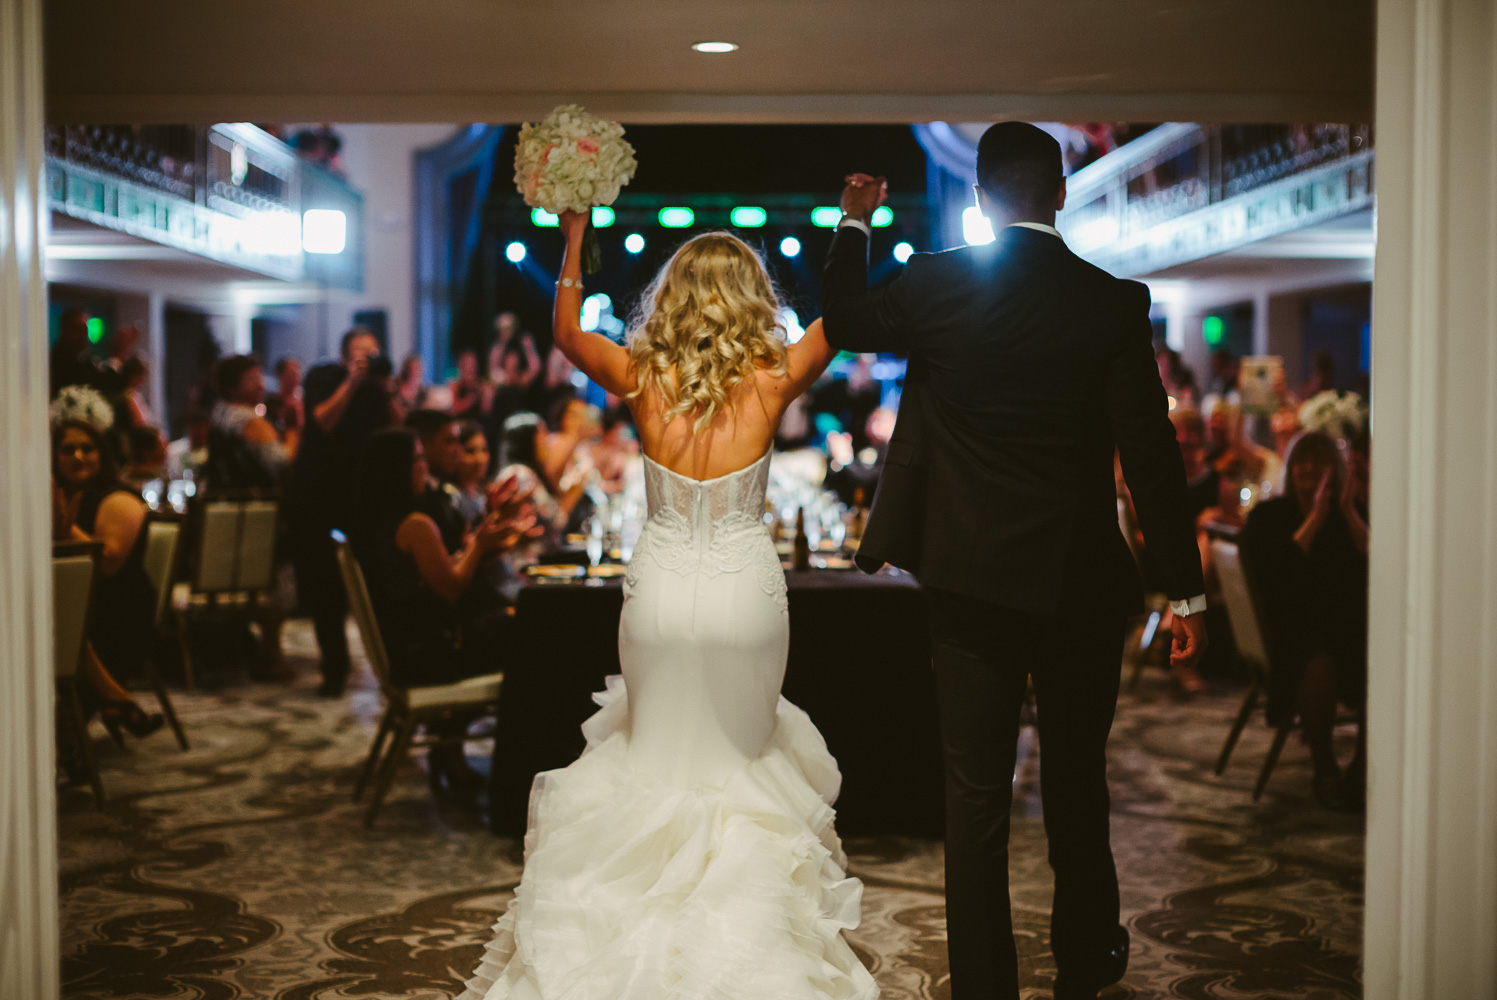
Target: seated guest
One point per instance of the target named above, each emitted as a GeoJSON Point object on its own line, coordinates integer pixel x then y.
{"type": "Point", "coordinates": [472, 480]}
{"type": "Point", "coordinates": [91, 504]}
{"type": "Point", "coordinates": [442, 444]}
{"type": "Point", "coordinates": [130, 407]}
{"type": "Point", "coordinates": [1201, 478]}
{"type": "Point", "coordinates": [437, 623]}
{"type": "Point", "coordinates": [70, 361]}
{"type": "Point", "coordinates": [520, 451]}
{"type": "Point", "coordinates": [410, 389]}
{"type": "Point", "coordinates": [243, 449]}
{"type": "Point", "coordinates": [564, 443]}
{"type": "Point", "coordinates": [615, 448]}
{"type": "Point", "coordinates": [188, 454]}
{"type": "Point", "coordinates": [467, 389]}
{"type": "Point", "coordinates": [145, 457]}
{"type": "Point", "coordinates": [285, 408]}
{"type": "Point", "coordinates": [553, 384]}
{"type": "Point", "coordinates": [511, 365]}
{"type": "Point", "coordinates": [1307, 553]}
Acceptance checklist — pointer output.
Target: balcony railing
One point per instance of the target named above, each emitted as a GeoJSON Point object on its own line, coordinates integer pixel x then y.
{"type": "Point", "coordinates": [230, 192]}
{"type": "Point", "coordinates": [1185, 191]}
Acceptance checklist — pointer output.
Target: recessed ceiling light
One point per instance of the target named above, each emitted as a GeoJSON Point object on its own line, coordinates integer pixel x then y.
{"type": "Point", "coordinates": [715, 47]}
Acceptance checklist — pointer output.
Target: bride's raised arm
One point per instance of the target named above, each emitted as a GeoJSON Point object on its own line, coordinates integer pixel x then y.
{"type": "Point", "coordinates": [807, 359]}
{"type": "Point", "coordinates": [603, 361]}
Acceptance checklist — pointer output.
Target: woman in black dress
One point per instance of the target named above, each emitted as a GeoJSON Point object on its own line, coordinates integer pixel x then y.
{"type": "Point", "coordinates": [93, 505]}
{"type": "Point", "coordinates": [438, 625]}
{"type": "Point", "coordinates": [1307, 553]}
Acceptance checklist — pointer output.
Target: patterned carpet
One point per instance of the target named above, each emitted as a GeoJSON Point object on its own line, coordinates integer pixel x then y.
{"type": "Point", "coordinates": [241, 869]}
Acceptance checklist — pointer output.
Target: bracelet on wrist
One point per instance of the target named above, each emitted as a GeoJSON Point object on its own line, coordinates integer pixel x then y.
{"type": "Point", "coordinates": [570, 283]}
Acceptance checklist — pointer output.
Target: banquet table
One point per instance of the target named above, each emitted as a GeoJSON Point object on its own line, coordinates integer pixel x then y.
{"type": "Point", "coordinates": [859, 664]}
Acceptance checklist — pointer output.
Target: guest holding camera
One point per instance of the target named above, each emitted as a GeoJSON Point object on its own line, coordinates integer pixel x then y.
{"type": "Point", "coordinates": [345, 403]}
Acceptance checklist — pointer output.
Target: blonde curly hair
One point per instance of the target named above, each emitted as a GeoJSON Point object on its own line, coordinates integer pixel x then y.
{"type": "Point", "coordinates": [710, 318]}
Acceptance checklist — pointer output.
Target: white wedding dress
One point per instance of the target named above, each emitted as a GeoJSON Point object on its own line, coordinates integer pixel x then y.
{"type": "Point", "coordinates": [689, 853]}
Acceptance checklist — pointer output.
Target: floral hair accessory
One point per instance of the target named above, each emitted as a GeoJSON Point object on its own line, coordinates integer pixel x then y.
{"type": "Point", "coordinates": [82, 403]}
{"type": "Point", "coordinates": [1342, 415]}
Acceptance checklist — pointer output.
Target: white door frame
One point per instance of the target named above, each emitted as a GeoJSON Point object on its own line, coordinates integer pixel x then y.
{"type": "Point", "coordinates": [1431, 919]}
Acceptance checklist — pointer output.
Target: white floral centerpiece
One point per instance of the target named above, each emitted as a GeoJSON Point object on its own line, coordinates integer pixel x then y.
{"type": "Point", "coordinates": [573, 161]}
{"type": "Point", "coordinates": [82, 403]}
{"type": "Point", "coordinates": [1342, 415]}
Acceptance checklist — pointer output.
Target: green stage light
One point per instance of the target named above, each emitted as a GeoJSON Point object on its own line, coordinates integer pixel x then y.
{"type": "Point", "coordinates": [541, 217]}
{"type": "Point", "coordinates": [749, 216]}
{"type": "Point", "coordinates": [602, 217]}
{"type": "Point", "coordinates": [1212, 330]}
{"type": "Point", "coordinates": [825, 216]}
{"type": "Point", "coordinates": [95, 329]}
{"type": "Point", "coordinates": [883, 216]}
{"type": "Point", "coordinates": [677, 217]}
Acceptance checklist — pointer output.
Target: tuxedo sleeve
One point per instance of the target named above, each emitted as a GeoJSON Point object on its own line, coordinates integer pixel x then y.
{"type": "Point", "coordinates": [1139, 412]}
{"type": "Point", "coordinates": [854, 318]}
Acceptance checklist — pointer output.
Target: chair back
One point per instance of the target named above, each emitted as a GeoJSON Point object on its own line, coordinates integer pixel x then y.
{"type": "Point", "coordinates": [363, 616]}
{"type": "Point", "coordinates": [74, 570]}
{"type": "Point", "coordinates": [1242, 607]}
{"type": "Point", "coordinates": [236, 535]}
{"type": "Point", "coordinates": [162, 538]}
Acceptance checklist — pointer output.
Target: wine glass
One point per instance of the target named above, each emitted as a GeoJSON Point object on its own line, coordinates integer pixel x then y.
{"type": "Point", "coordinates": [594, 540]}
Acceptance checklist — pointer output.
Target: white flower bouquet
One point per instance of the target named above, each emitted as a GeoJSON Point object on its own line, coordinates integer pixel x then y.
{"type": "Point", "coordinates": [572, 161]}
{"type": "Point", "coordinates": [1342, 415]}
{"type": "Point", "coordinates": [81, 402]}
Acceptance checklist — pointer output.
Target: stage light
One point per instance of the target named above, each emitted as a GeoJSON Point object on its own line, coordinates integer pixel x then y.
{"type": "Point", "coordinates": [882, 216]}
{"type": "Point", "coordinates": [1212, 330]}
{"type": "Point", "coordinates": [976, 229]}
{"type": "Point", "coordinates": [541, 217]}
{"type": "Point", "coordinates": [902, 252]}
{"type": "Point", "coordinates": [749, 216]}
{"type": "Point", "coordinates": [634, 243]}
{"type": "Point", "coordinates": [602, 217]}
{"type": "Point", "coordinates": [592, 310]}
{"type": "Point", "coordinates": [515, 252]}
{"type": "Point", "coordinates": [790, 246]}
{"type": "Point", "coordinates": [715, 48]}
{"type": "Point", "coordinates": [825, 216]}
{"type": "Point", "coordinates": [677, 218]}
{"type": "Point", "coordinates": [324, 230]}
{"type": "Point", "coordinates": [95, 329]}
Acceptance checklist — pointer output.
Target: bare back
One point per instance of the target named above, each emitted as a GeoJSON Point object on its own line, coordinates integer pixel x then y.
{"type": "Point", "coordinates": [734, 439]}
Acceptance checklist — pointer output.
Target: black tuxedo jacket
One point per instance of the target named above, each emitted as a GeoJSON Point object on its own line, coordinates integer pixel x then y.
{"type": "Point", "coordinates": [1028, 367]}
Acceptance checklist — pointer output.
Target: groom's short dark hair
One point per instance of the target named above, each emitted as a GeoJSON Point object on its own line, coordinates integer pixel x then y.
{"type": "Point", "coordinates": [1019, 166]}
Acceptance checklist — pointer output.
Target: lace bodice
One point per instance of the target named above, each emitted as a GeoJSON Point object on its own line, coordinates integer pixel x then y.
{"type": "Point", "coordinates": [708, 526]}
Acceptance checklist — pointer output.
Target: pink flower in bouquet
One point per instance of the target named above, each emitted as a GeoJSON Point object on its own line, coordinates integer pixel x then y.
{"type": "Point", "coordinates": [587, 147]}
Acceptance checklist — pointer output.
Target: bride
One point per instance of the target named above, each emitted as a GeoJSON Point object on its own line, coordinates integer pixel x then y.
{"type": "Point", "coordinates": [689, 852]}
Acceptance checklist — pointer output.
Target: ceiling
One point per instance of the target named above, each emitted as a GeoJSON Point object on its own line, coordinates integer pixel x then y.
{"type": "Point", "coordinates": [799, 60]}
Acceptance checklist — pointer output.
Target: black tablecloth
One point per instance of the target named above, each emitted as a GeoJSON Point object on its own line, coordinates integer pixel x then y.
{"type": "Point", "coordinates": [859, 665]}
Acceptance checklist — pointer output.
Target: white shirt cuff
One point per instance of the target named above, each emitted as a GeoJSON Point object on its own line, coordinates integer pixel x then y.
{"type": "Point", "coordinates": [848, 220]}
{"type": "Point", "coordinates": [1193, 606]}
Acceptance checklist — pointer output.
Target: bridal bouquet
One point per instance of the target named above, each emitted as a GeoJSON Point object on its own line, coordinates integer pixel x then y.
{"type": "Point", "coordinates": [572, 161]}
{"type": "Point", "coordinates": [81, 402]}
{"type": "Point", "coordinates": [1342, 415]}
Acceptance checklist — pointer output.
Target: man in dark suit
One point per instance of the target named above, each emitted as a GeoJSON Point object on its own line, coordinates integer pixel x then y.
{"type": "Point", "coordinates": [1028, 367]}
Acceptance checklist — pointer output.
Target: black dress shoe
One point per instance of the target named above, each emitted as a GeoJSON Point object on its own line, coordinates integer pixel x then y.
{"type": "Point", "coordinates": [1108, 969]}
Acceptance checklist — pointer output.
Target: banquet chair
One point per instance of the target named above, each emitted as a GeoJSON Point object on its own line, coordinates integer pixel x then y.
{"type": "Point", "coordinates": [1242, 612]}
{"type": "Point", "coordinates": [231, 568]}
{"type": "Point", "coordinates": [162, 538]}
{"type": "Point", "coordinates": [405, 708]}
{"type": "Point", "coordinates": [74, 574]}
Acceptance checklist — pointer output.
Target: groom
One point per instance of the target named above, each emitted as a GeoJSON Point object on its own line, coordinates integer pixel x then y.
{"type": "Point", "coordinates": [1028, 367]}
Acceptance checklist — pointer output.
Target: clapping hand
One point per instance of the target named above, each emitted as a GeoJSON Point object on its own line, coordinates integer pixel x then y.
{"type": "Point", "coordinates": [1324, 497]}
{"type": "Point", "coordinates": [64, 512]}
{"type": "Point", "coordinates": [510, 495]}
{"type": "Point", "coordinates": [863, 194]}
